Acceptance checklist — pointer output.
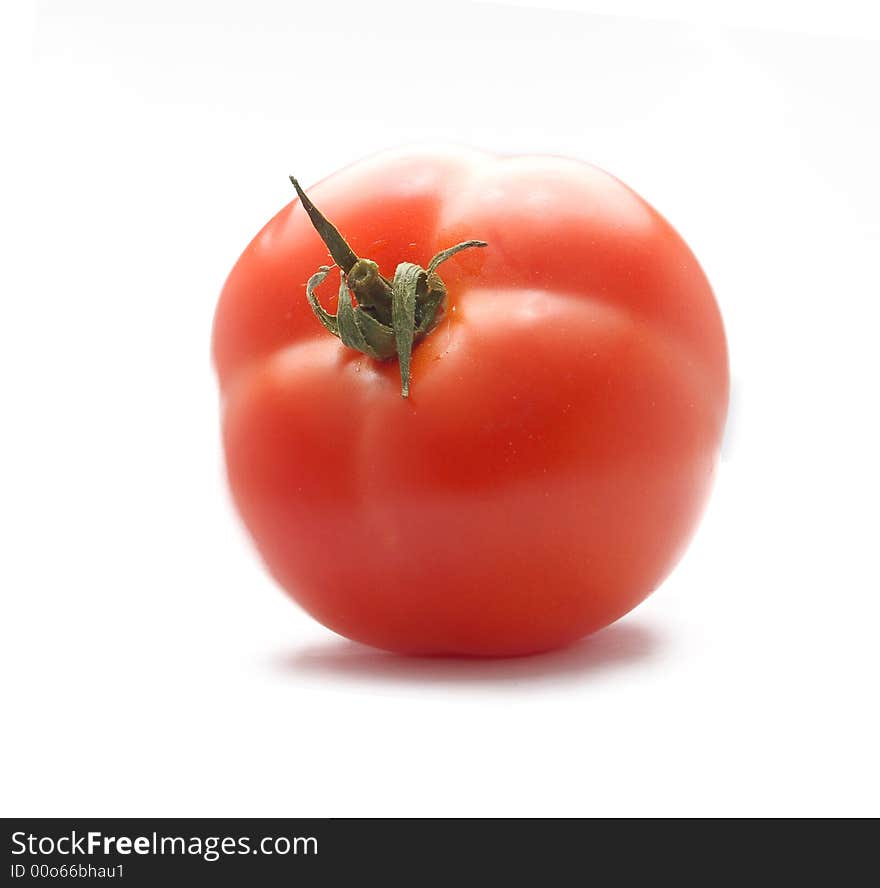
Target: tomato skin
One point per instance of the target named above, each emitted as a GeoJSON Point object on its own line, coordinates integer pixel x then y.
{"type": "Point", "coordinates": [563, 427]}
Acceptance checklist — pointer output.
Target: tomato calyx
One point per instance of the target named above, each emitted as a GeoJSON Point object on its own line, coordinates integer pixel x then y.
{"type": "Point", "coordinates": [390, 316]}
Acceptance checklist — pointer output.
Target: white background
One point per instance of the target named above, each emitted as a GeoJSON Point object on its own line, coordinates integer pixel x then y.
{"type": "Point", "coordinates": [149, 665]}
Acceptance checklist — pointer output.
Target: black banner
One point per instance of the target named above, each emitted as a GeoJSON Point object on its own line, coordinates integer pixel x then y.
{"type": "Point", "coordinates": [265, 852]}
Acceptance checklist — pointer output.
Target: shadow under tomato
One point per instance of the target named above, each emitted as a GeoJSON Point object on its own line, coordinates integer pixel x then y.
{"type": "Point", "coordinates": [620, 645]}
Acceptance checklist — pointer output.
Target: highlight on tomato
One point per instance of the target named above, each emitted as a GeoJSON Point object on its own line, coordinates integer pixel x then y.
{"type": "Point", "coordinates": [471, 404]}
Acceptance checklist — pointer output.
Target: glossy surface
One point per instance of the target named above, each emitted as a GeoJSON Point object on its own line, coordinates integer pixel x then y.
{"type": "Point", "coordinates": [565, 417]}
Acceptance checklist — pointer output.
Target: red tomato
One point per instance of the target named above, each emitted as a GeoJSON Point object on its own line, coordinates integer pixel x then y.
{"type": "Point", "coordinates": [562, 430]}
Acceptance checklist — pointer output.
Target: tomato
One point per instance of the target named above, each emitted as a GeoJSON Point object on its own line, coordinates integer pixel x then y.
{"type": "Point", "coordinates": [562, 426]}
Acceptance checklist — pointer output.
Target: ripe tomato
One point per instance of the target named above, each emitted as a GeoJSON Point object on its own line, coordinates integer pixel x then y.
{"type": "Point", "coordinates": [562, 429]}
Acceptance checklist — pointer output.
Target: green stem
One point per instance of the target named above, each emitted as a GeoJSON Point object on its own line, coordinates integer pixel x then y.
{"type": "Point", "coordinates": [390, 316]}
{"type": "Point", "coordinates": [342, 253]}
